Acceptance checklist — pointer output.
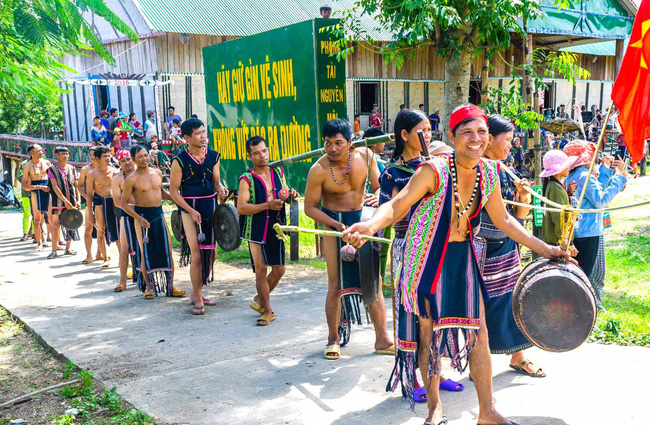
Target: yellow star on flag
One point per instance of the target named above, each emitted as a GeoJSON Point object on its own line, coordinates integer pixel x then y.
{"type": "Point", "coordinates": [645, 26]}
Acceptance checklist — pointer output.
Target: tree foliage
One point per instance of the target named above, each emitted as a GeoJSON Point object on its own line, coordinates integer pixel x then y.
{"type": "Point", "coordinates": [24, 115]}
{"type": "Point", "coordinates": [35, 35]}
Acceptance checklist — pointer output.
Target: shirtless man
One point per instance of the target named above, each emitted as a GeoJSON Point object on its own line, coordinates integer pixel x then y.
{"type": "Point", "coordinates": [89, 220]}
{"type": "Point", "coordinates": [145, 187]}
{"type": "Point", "coordinates": [337, 180]}
{"type": "Point", "coordinates": [65, 195]}
{"type": "Point", "coordinates": [127, 224]}
{"type": "Point", "coordinates": [194, 184]}
{"type": "Point", "coordinates": [98, 188]}
{"type": "Point", "coordinates": [35, 180]}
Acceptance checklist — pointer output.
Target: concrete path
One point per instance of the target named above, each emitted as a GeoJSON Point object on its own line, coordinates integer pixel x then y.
{"type": "Point", "coordinates": [222, 369]}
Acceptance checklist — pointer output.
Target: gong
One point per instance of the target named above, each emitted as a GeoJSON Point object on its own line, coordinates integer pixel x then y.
{"type": "Point", "coordinates": [554, 305]}
{"type": "Point", "coordinates": [225, 224]}
{"type": "Point", "coordinates": [177, 226]}
{"type": "Point", "coordinates": [71, 219]}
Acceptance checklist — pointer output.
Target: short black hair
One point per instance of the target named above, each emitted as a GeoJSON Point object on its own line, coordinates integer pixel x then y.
{"type": "Point", "coordinates": [96, 117]}
{"type": "Point", "coordinates": [137, 148]}
{"type": "Point", "coordinates": [60, 149]}
{"type": "Point", "coordinates": [325, 7]}
{"type": "Point", "coordinates": [498, 124]}
{"type": "Point", "coordinates": [171, 107]}
{"type": "Point", "coordinates": [254, 141]}
{"type": "Point", "coordinates": [131, 114]}
{"type": "Point", "coordinates": [189, 125]}
{"type": "Point", "coordinates": [150, 113]}
{"type": "Point", "coordinates": [562, 104]}
{"type": "Point", "coordinates": [101, 150]}
{"type": "Point", "coordinates": [176, 121]}
{"type": "Point", "coordinates": [372, 132]}
{"type": "Point", "coordinates": [92, 149]}
{"type": "Point", "coordinates": [466, 120]}
{"type": "Point", "coordinates": [421, 104]}
{"type": "Point", "coordinates": [357, 116]}
{"type": "Point", "coordinates": [113, 110]}
{"type": "Point", "coordinates": [194, 116]}
{"type": "Point", "coordinates": [30, 148]}
{"type": "Point", "coordinates": [336, 126]}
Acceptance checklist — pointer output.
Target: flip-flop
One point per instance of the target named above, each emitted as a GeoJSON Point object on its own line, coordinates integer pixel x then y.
{"type": "Point", "coordinates": [390, 350]}
{"type": "Point", "coordinates": [332, 352]}
{"type": "Point", "coordinates": [449, 385]}
{"type": "Point", "coordinates": [206, 301]}
{"type": "Point", "coordinates": [420, 395]}
{"type": "Point", "coordinates": [198, 311]}
{"type": "Point", "coordinates": [265, 319]}
{"type": "Point", "coordinates": [178, 293]}
{"type": "Point", "coordinates": [520, 369]}
{"type": "Point", "coordinates": [120, 287]}
{"type": "Point", "coordinates": [255, 306]}
{"type": "Point", "coordinates": [70, 252]}
{"type": "Point", "coordinates": [87, 261]}
{"type": "Point", "coordinates": [501, 423]}
{"type": "Point", "coordinates": [443, 421]}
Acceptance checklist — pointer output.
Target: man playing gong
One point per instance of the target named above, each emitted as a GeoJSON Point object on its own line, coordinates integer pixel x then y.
{"type": "Point", "coordinates": [65, 196]}
{"type": "Point", "coordinates": [98, 188]}
{"type": "Point", "coordinates": [260, 206]}
{"type": "Point", "coordinates": [440, 281]}
{"type": "Point", "coordinates": [337, 181]}
{"type": "Point", "coordinates": [129, 242]}
{"type": "Point", "coordinates": [156, 263]}
{"type": "Point", "coordinates": [35, 180]}
{"type": "Point", "coordinates": [194, 184]}
{"type": "Point", "coordinates": [89, 214]}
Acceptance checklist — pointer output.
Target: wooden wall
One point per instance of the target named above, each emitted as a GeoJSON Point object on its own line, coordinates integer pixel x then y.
{"type": "Point", "coordinates": [174, 56]}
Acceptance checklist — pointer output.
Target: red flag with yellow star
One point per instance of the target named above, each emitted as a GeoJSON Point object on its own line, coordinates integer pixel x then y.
{"type": "Point", "coordinates": [631, 92]}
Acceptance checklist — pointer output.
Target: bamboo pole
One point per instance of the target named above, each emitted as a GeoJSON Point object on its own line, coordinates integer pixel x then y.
{"type": "Point", "coordinates": [28, 396]}
{"type": "Point", "coordinates": [279, 229]}
{"type": "Point", "coordinates": [320, 152]}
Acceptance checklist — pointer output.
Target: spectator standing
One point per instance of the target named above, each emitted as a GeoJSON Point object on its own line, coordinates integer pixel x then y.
{"type": "Point", "coordinates": [26, 198]}
{"type": "Point", "coordinates": [434, 119]}
{"type": "Point", "coordinates": [376, 108]}
{"type": "Point", "coordinates": [562, 113]}
{"type": "Point", "coordinates": [112, 122]}
{"type": "Point", "coordinates": [150, 128]}
{"type": "Point", "coordinates": [402, 107]}
{"type": "Point", "coordinates": [375, 120]}
{"type": "Point", "coordinates": [171, 116]}
{"type": "Point", "coordinates": [421, 107]}
{"type": "Point", "coordinates": [123, 128]}
{"type": "Point", "coordinates": [138, 131]}
{"type": "Point", "coordinates": [587, 116]}
{"type": "Point", "coordinates": [357, 125]}
{"type": "Point", "coordinates": [326, 11]}
{"type": "Point", "coordinates": [103, 118]}
{"type": "Point", "coordinates": [517, 153]}
{"type": "Point", "coordinates": [98, 133]}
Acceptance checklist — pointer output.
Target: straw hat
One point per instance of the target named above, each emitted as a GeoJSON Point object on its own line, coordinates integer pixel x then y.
{"type": "Point", "coordinates": [556, 161]}
{"type": "Point", "coordinates": [436, 147]}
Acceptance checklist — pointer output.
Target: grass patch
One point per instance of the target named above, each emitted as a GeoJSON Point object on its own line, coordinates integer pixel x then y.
{"type": "Point", "coordinates": [626, 296]}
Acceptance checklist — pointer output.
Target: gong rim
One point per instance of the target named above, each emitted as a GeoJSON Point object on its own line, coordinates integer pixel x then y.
{"type": "Point", "coordinates": [225, 223]}
{"type": "Point", "coordinates": [176, 225]}
{"type": "Point", "coordinates": [71, 219]}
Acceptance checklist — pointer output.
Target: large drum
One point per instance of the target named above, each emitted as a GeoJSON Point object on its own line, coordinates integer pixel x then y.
{"type": "Point", "coordinates": [554, 305]}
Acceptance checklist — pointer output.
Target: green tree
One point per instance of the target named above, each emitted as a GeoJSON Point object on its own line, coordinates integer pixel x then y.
{"type": "Point", "coordinates": [28, 114]}
{"type": "Point", "coordinates": [35, 35]}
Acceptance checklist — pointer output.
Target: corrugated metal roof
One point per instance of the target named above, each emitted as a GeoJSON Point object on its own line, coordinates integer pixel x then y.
{"type": "Point", "coordinates": [240, 18]}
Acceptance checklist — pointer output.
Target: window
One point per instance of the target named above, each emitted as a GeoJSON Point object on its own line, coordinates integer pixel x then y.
{"type": "Point", "coordinates": [368, 96]}
{"type": "Point", "coordinates": [475, 92]}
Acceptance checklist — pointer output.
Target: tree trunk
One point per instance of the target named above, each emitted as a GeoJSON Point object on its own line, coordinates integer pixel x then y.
{"type": "Point", "coordinates": [534, 99]}
{"type": "Point", "coordinates": [457, 73]}
{"type": "Point", "coordinates": [485, 74]}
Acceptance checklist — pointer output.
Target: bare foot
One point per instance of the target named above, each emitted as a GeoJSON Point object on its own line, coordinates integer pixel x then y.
{"type": "Point", "coordinates": [383, 343]}
{"type": "Point", "coordinates": [491, 418]}
{"type": "Point", "coordinates": [435, 415]}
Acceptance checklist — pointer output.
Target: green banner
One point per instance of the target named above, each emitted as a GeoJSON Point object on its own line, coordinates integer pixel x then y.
{"type": "Point", "coordinates": [282, 85]}
{"type": "Point", "coordinates": [538, 215]}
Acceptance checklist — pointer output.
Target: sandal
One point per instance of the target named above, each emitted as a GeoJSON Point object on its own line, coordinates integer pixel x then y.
{"type": "Point", "coordinates": [539, 373]}
{"type": "Point", "coordinates": [70, 252]}
{"type": "Point", "coordinates": [390, 350]}
{"type": "Point", "coordinates": [255, 306]}
{"type": "Point", "coordinates": [449, 385]}
{"type": "Point", "coordinates": [51, 255]}
{"type": "Point", "coordinates": [105, 265]}
{"type": "Point", "coordinates": [87, 261]}
{"type": "Point", "coordinates": [198, 311]}
{"type": "Point", "coordinates": [120, 287]}
{"type": "Point", "coordinates": [266, 319]}
{"type": "Point", "coordinates": [149, 295]}
{"type": "Point", "coordinates": [24, 238]}
{"type": "Point", "coordinates": [178, 293]}
{"type": "Point", "coordinates": [443, 421]}
{"type": "Point", "coordinates": [206, 301]}
{"type": "Point", "coordinates": [332, 352]}
{"type": "Point", "coordinates": [420, 395]}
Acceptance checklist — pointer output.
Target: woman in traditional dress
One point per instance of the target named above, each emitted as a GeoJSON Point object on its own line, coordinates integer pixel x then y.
{"type": "Point", "coordinates": [501, 267]}
{"type": "Point", "coordinates": [406, 159]}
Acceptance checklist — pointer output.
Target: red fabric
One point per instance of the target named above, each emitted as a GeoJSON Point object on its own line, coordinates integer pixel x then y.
{"type": "Point", "coordinates": [124, 153]}
{"type": "Point", "coordinates": [462, 114]}
{"type": "Point", "coordinates": [631, 92]}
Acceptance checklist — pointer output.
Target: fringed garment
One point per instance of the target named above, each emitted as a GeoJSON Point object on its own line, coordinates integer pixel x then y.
{"type": "Point", "coordinates": [134, 248]}
{"type": "Point", "coordinates": [500, 270]}
{"type": "Point", "coordinates": [65, 179]}
{"type": "Point", "coordinates": [258, 228]}
{"type": "Point", "coordinates": [42, 197]}
{"type": "Point", "coordinates": [198, 191]}
{"type": "Point", "coordinates": [156, 259]}
{"type": "Point", "coordinates": [443, 273]}
{"type": "Point", "coordinates": [111, 221]}
{"type": "Point", "coordinates": [349, 279]}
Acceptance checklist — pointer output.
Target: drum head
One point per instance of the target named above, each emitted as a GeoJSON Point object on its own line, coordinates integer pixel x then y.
{"type": "Point", "coordinates": [71, 219]}
{"type": "Point", "coordinates": [226, 227]}
{"type": "Point", "coordinates": [177, 228]}
{"type": "Point", "coordinates": [554, 305]}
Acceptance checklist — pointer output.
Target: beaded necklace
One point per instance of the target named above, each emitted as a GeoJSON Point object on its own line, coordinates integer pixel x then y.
{"type": "Point", "coordinates": [458, 202]}
{"type": "Point", "coordinates": [347, 174]}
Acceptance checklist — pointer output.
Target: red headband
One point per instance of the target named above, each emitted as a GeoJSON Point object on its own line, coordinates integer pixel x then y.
{"type": "Point", "coordinates": [121, 154]}
{"type": "Point", "coordinates": [471, 111]}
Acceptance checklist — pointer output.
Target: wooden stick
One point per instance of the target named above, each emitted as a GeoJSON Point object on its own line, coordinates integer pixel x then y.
{"type": "Point", "coordinates": [26, 397]}
{"type": "Point", "coordinates": [279, 229]}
